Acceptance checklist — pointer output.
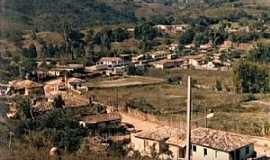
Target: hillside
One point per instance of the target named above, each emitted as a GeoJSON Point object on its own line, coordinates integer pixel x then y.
{"type": "Point", "coordinates": [50, 14]}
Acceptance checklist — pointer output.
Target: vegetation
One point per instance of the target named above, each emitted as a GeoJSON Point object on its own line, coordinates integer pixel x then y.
{"type": "Point", "coordinates": [250, 77]}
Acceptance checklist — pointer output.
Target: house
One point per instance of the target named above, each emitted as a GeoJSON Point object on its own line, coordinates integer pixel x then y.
{"type": "Point", "coordinates": [171, 28]}
{"type": "Point", "coordinates": [190, 46]}
{"type": "Point", "coordinates": [173, 47]}
{"type": "Point", "coordinates": [58, 72]}
{"type": "Point", "coordinates": [61, 85]}
{"type": "Point", "coordinates": [75, 83]}
{"type": "Point", "coordinates": [102, 120]}
{"type": "Point", "coordinates": [26, 87]}
{"type": "Point", "coordinates": [117, 71]}
{"type": "Point", "coordinates": [164, 141]}
{"type": "Point", "coordinates": [157, 55]}
{"type": "Point", "coordinates": [210, 144]}
{"type": "Point", "coordinates": [4, 89]}
{"type": "Point", "coordinates": [163, 64]}
{"type": "Point", "coordinates": [112, 61]}
{"type": "Point", "coordinates": [227, 44]}
{"type": "Point", "coordinates": [205, 46]}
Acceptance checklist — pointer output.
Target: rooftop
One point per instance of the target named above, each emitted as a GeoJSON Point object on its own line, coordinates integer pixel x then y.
{"type": "Point", "coordinates": [111, 59]}
{"type": "Point", "coordinates": [173, 136]}
{"type": "Point", "coordinates": [219, 140]}
{"type": "Point", "coordinates": [94, 119]}
{"type": "Point", "coordinates": [21, 84]}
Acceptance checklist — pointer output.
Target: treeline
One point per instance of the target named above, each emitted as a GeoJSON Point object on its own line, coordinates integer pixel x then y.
{"type": "Point", "coordinates": [251, 74]}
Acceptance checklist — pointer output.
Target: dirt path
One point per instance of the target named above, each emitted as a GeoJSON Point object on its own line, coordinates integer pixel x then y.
{"type": "Point", "coordinates": [262, 145]}
{"type": "Point", "coordinates": [138, 123]}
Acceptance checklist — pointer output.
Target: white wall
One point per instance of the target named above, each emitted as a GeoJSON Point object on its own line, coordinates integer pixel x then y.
{"type": "Point", "coordinates": [218, 155]}
{"type": "Point", "coordinates": [211, 154]}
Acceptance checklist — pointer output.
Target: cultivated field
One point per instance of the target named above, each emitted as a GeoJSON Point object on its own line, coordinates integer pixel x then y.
{"type": "Point", "coordinates": [124, 82]}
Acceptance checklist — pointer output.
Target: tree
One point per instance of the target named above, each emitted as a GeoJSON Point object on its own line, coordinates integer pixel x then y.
{"type": "Point", "coordinates": [201, 38]}
{"type": "Point", "coordinates": [25, 108]}
{"type": "Point", "coordinates": [250, 77]}
{"type": "Point", "coordinates": [58, 102]}
{"type": "Point", "coordinates": [187, 37]}
{"type": "Point", "coordinates": [261, 53]}
{"type": "Point", "coordinates": [218, 85]}
{"type": "Point", "coordinates": [145, 32]}
{"type": "Point", "coordinates": [119, 35]}
{"type": "Point", "coordinates": [103, 38]}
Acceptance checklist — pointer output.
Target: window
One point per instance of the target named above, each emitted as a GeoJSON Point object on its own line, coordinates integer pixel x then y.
{"type": "Point", "coordinates": [247, 150]}
{"type": "Point", "coordinates": [205, 151]}
{"type": "Point", "coordinates": [216, 154]}
{"type": "Point", "coordinates": [194, 148]}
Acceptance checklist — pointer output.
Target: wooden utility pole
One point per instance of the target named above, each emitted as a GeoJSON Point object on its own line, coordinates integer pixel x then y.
{"type": "Point", "coordinates": [205, 110]}
{"type": "Point", "coordinates": [188, 131]}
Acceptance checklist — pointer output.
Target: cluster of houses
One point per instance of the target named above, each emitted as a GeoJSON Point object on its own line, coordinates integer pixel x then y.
{"type": "Point", "coordinates": [170, 143]}
{"type": "Point", "coordinates": [207, 144]}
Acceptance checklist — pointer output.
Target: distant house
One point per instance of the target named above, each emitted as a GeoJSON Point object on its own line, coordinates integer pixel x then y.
{"type": "Point", "coordinates": [26, 87]}
{"type": "Point", "coordinates": [173, 47]}
{"type": "Point", "coordinates": [4, 89]}
{"type": "Point", "coordinates": [121, 70]}
{"type": "Point", "coordinates": [111, 61]}
{"type": "Point", "coordinates": [157, 55]}
{"type": "Point", "coordinates": [75, 83]}
{"type": "Point", "coordinates": [209, 144]}
{"type": "Point", "coordinates": [164, 141]}
{"type": "Point", "coordinates": [60, 85]}
{"type": "Point", "coordinates": [205, 46]}
{"type": "Point", "coordinates": [163, 64]}
{"type": "Point", "coordinates": [172, 28]}
{"type": "Point", "coordinates": [226, 44]}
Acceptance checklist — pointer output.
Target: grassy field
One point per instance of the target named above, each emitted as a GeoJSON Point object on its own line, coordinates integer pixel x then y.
{"type": "Point", "coordinates": [127, 81]}
{"type": "Point", "coordinates": [170, 100]}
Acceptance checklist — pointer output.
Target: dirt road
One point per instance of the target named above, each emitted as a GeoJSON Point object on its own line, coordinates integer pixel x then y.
{"type": "Point", "coordinates": [138, 123]}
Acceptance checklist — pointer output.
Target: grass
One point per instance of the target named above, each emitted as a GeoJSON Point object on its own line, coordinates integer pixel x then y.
{"type": "Point", "coordinates": [123, 82]}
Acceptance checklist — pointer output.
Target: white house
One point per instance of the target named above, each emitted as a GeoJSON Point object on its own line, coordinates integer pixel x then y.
{"type": "Point", "coordinates": [111, 61]}
{"type": "Point", "coordinates": [209, 144]}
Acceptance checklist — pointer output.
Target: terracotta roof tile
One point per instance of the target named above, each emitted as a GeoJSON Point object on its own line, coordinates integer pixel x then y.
{"type": "Point", "coordinates": [220, 140]}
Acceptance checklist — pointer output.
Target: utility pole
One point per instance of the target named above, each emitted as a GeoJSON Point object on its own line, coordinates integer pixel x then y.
{"type": "Point", "coordinates": [188, 131]}
{"type": "Point", "coordinates": [205, 110]}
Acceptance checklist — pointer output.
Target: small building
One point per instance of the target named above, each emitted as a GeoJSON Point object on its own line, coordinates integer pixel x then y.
{"type": "Point", "coordinates": [172, 29]}
{"type": "Point", "coordinates": [102, 120]}
{"type": "Point", "coordinates": [210, 144]}
{"type": "Point", "coordinates": [157, 55]}
{"type": "Point", "coordinates": [163, 64]}
{"type": "Point", "coordinates": [26, 87]}
{"type": "Point", "coordinates": [164, 141]}
{"type": "Point", "coordinates": [121, 70]}
{"type": "Point", "coordinates": [111, 61]}
{"type": "Point", "coordinates": [75, 83]}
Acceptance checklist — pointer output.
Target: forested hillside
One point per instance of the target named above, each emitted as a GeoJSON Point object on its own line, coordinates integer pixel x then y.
{"type": "Point", "coordinates": [49, 14]}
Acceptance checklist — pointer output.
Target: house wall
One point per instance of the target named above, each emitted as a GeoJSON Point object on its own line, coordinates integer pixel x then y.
{"type": "Point", "coordinates": [243, 154]}
{"type": "Point", "coordinates": [219, 155]}
{"type": "Point", "coordinates": [211, 154]}
{"type": "Point", "coordinates": [144, 146]}
{"type": "Point", "coordinates": [177, 152]}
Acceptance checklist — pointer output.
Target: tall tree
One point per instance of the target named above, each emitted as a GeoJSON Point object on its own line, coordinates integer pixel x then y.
{"type": "Point", "coordinates": [250, 77]}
